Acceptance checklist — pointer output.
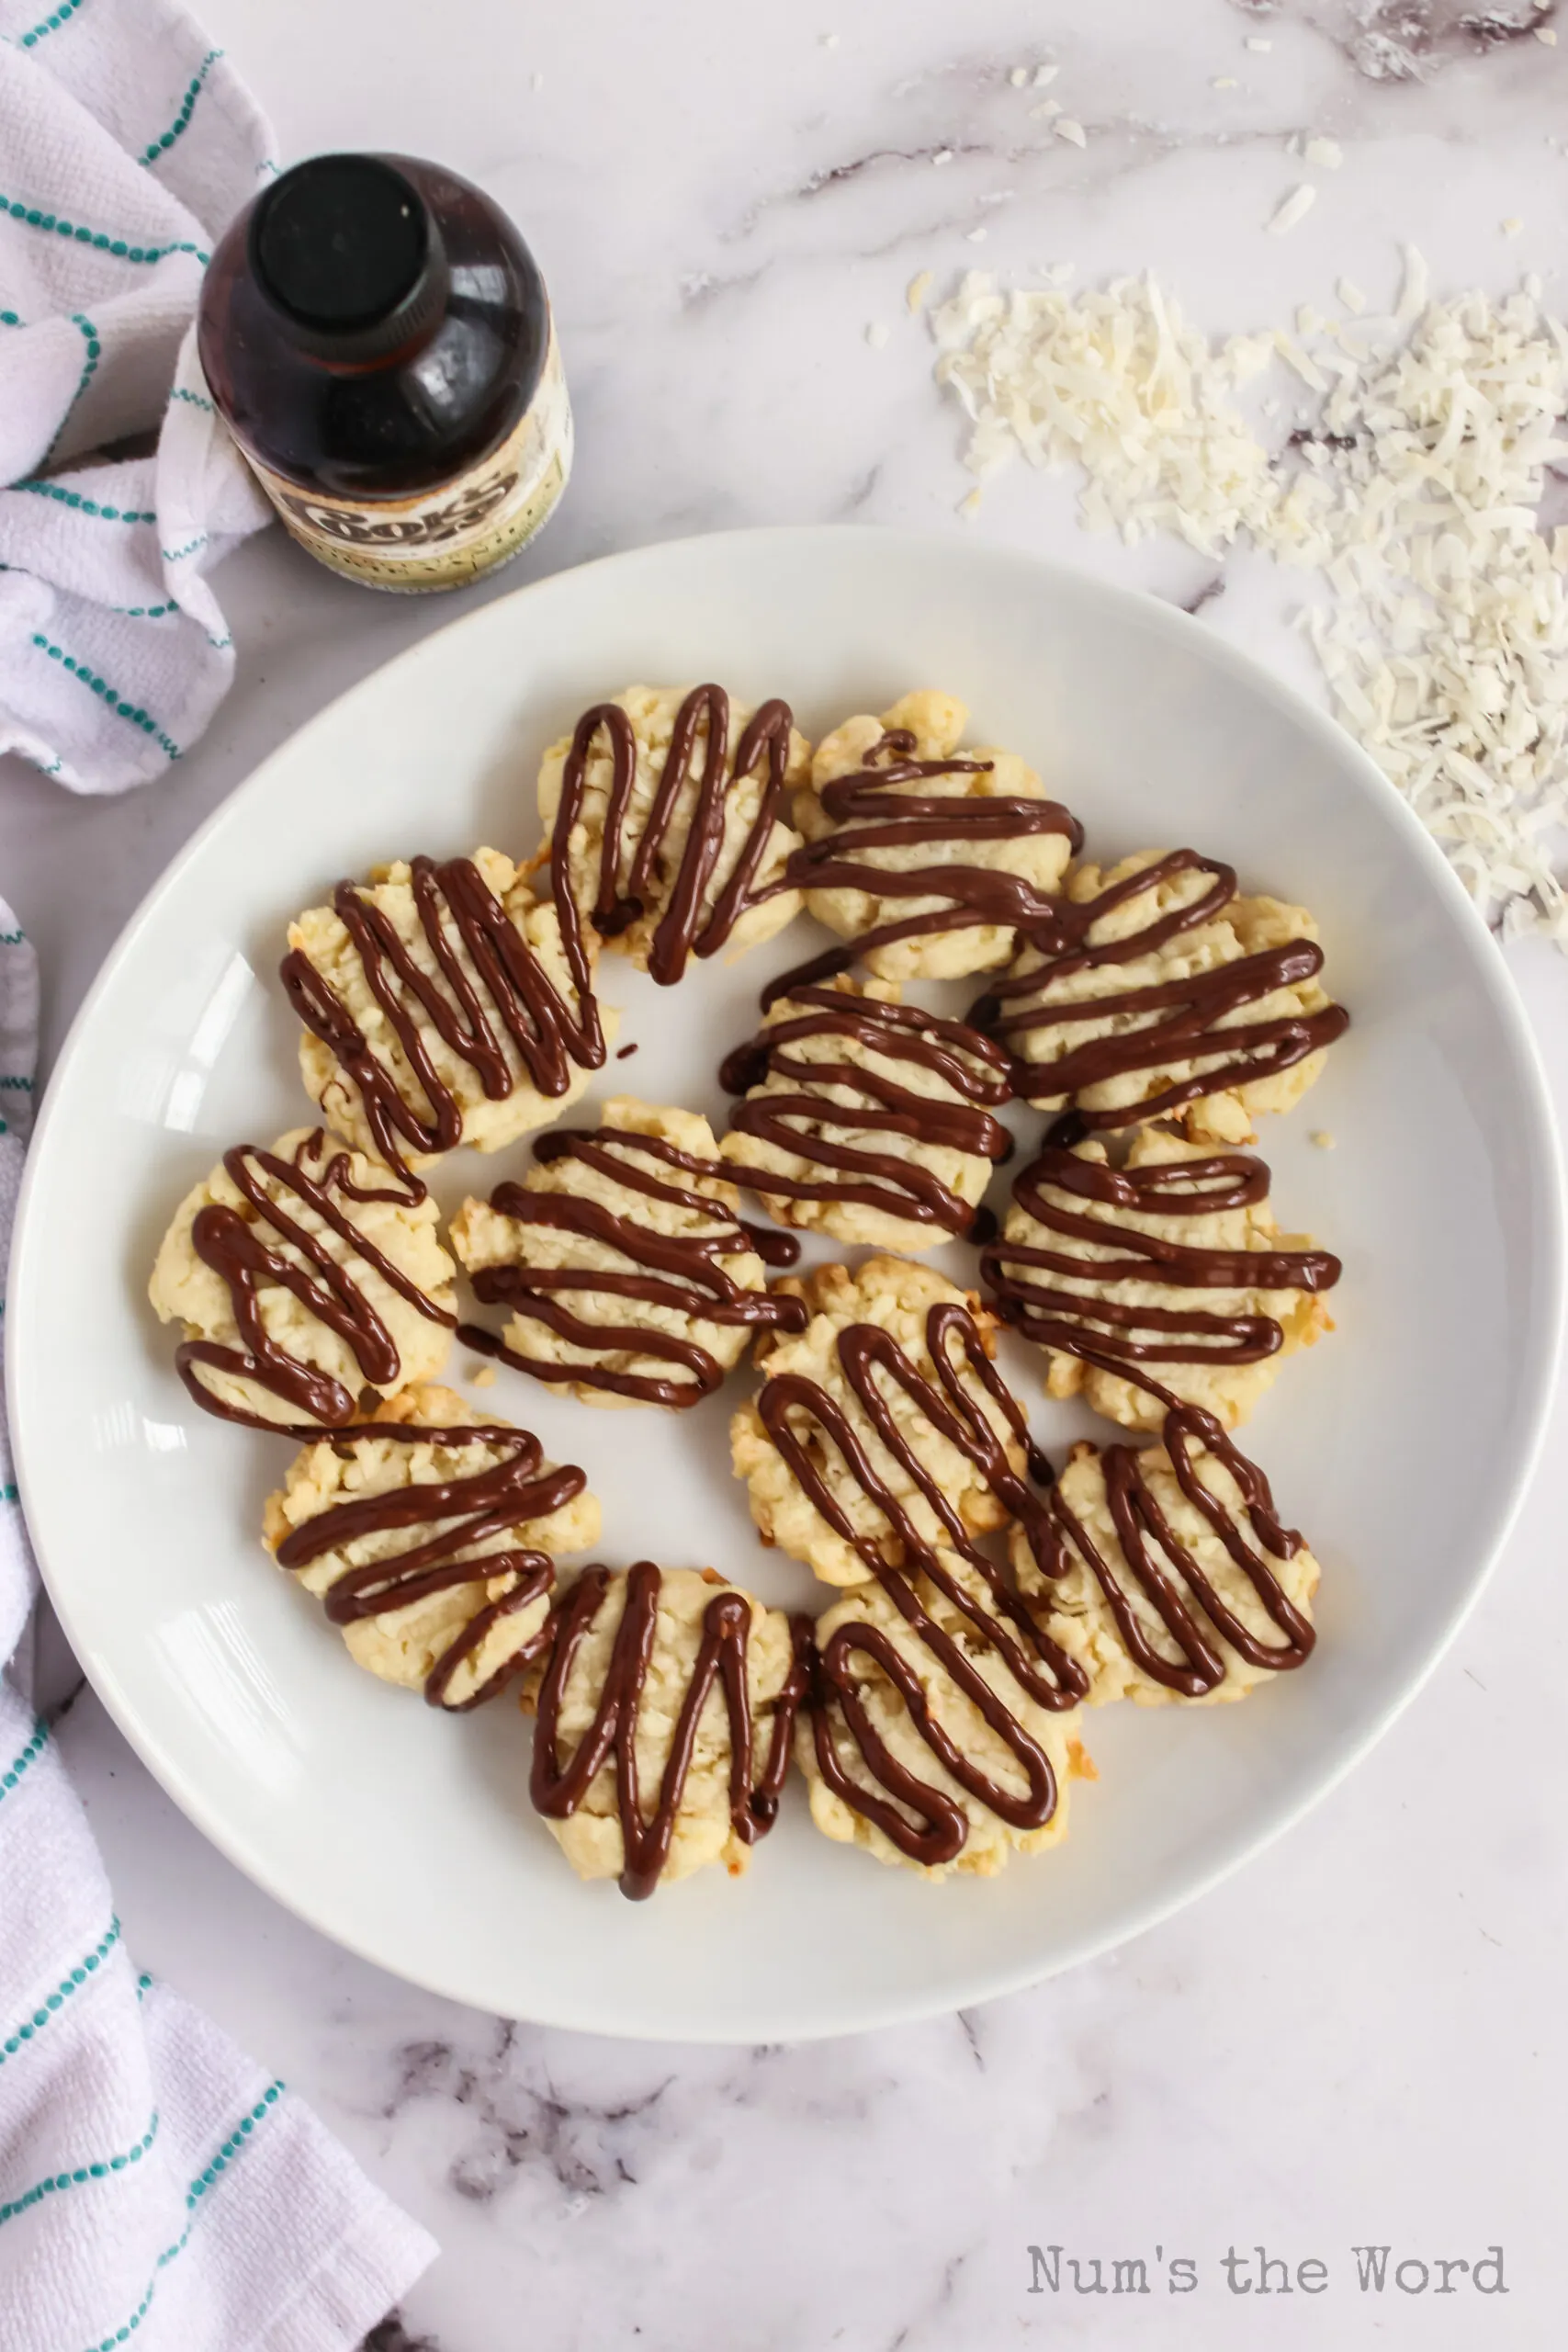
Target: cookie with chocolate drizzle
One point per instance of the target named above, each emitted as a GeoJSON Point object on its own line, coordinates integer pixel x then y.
{"type": "Point", "coordinates": [929, 861]}
{"type": "Point", "coordinates": [444, 1004]}
{"type": "Point", "coordinates": [1153, 991]}
{"type": "Point", "coordinates": [930, 1747]}
{"type": "Point", "coordinates": [668, 817]}
{"type": "Point", "coordinates": [665, 1719]}
{"type": "Point", "coordinates": [867, 1119]}
{"type": "Point", "coordinates": [889, 1392]}
{"type": "Point", "coordinates": [627, 1273]}
{"type": "Point", "coordinates": [883, 1445]}
{"type": "Point", "coordinates": [1171, 1262]}
{"type": "Point", "coordinates": [1173, 1578]}
{"type": "Point", "coordinates": [429, 1537]}
{"type": "Point", "coordinates": [310, 1282]}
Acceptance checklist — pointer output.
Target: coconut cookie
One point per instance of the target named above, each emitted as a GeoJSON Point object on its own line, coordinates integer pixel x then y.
{"type": "Point", "coordinates": [430, 1537]}
{"type": "Point", "coordinates": [926, 859]}
{"type": "Point", "coordinates": [667, 812]}
{"type": "Point", "coordinates": [935, 1739]}
{"type": "Point", "coordinates": [665, 1720]}
{"type": "Point", "coordinates": [882, 1428]}
{"type": "Point", "coordinates": [1173, 1578]}
{"type": "Point", "coordinates": [1164, 1279]}
{"type": "Point", "coordinates": [1160, 994]}
{"type": "Point", "coordinates": [867, 1119]}
{"type": "Point", "coordinates": [629, 1275]}
{"type": "Point", "coordinates": [308, 1281]}
{"type": "Point", "coordinates": [443, 1004]}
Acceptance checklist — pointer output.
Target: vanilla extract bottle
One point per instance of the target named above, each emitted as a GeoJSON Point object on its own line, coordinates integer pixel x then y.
{"type": "Point", "coordinates": [377, 338]}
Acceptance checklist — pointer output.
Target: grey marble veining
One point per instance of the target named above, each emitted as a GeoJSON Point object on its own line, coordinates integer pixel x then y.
{"type": "Point", "coordinates": [1358, 2041]}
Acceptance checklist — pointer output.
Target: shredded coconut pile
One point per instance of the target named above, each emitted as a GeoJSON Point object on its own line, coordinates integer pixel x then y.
{"type": "Point", "coordinates": [1118, 382]}
{"type": "Point", "coordinates": [1415, 491]}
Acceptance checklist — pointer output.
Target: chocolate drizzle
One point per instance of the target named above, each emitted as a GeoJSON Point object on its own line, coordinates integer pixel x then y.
{"type": "Point", "coordinates": [678, 1272]}
{"type": "Point", "coordinates": [1161, 1564]}
{"type": "Point", "coordinates": [514, 998]}
{"type": "Point", "coordinates": [970, 1070]}
{"type": "Point", "coordinates": [1116, 1335]}
{"type": "Point", "coordinates": [1163, 1022]}
{"type": "Point", "coordinates": [507, 1494]}
{"type": "Point", "coordinates": [871, 811]}
{"type": "Point", "coordinates": [559, 1789]}
{"type": "Point", "coordinates": [921, 1821]}
{"type": "Point", "coordinates": [689, 925]}
{"type": "Point", "coordinates": [230, 1243]}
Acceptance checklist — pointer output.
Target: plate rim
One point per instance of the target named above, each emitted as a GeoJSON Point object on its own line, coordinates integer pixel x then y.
{"type": "Point", "coordinates": [1545, 1177]}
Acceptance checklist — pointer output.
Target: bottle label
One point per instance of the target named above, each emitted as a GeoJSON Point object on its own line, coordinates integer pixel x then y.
{"type": "Point", "coordinates": [444, 537]}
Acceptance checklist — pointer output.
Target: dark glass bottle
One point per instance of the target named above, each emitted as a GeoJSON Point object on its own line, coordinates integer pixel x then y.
{"type": "Point", "coordinates": [377, 338]}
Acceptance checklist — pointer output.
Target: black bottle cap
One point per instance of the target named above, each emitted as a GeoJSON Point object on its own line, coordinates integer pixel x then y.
{"type": "Point", "coordinates": [345, 248]}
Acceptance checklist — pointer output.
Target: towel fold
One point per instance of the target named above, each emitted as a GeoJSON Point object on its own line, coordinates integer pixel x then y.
{"type": "Point", "coordinates": [126, 145]}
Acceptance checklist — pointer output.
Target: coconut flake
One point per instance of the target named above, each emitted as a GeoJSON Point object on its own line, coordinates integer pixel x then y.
{"type": "Point", "coordinates": [1325, 155]}
{"type": "Point", "coordinates": [1295, 207]}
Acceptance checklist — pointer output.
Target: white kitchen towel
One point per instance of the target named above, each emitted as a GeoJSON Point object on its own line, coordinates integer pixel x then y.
{"type": "Point", "coordinates": [155, 2187]}
{"type": "Point", "coordinates": [127, 144]}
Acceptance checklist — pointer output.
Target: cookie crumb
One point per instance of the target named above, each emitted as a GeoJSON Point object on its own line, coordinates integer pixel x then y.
{"type": "Point", "coordinates": [1323, 1139]}
{"type": "Point", "coordinates": [482, 1376]}
{"type": "Point", "coordinates": [917, 289]}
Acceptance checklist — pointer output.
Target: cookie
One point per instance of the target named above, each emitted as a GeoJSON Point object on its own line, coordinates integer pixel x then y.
{"type": "Point", "coordinates": [866, 1118]}
{"type": "Point", "coordinates": [309, 1284]}
{"type": "Point", "coordinates": [665, 1719]}
{"type": "Point", "coordinates": [1174, 1580]}
{"type": "Point", "coordinates": [442, 1005]}
{"type": "Point", "coordinates": [430, 1537]}
{"type": "Point", "coordinates": [1163, 1280]}
{"type": "Point", "coordinates": [937, 1736]}
{"type": "Point", "coordinates": [1157, 993]}
{"type": "Point", "coordinates": [925, 859]}
{"type": "Point", "coordinates": [667, 812]}
{"type": "Point", "coordinates": [884, 1426]}
{"type": "Point", "coordinates": [629, 1275]}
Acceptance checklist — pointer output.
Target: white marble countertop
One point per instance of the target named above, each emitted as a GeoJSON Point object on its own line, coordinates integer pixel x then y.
{"type": "Point", "coordinates": [1361, 2039]}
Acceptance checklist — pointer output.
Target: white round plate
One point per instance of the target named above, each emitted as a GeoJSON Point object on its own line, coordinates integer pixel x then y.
{"type": "Point", "coordinates": [1400, 1445]}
